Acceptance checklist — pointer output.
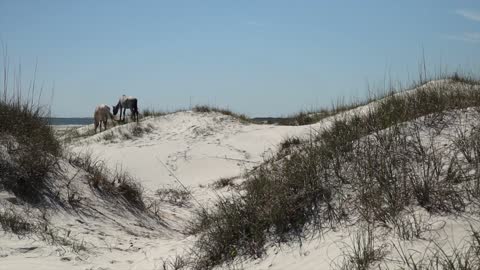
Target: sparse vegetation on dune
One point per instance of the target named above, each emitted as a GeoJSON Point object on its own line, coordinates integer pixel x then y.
{"type": "Point", "coordinates": [12, 221]}
{"type": "Point", "coordinates": [457, 256]}
{"type": "Point", "coordinates": [409, 150]}
{"type": "Point", "coordinates": [29, 151]}
{"type": "Point", "coordinates": [116, 130]}
{"type": "Point", "coordinates": [119, 132]}
{"type": "Point", "coordinates": [30, 158]}
{"type": "Point", "coordinates": [175, 196]}
{"type": "Point", "coordinates": [27, 223]}
{"type": "Point", "coordinates": [116, 184]}
{"type": "Point", "coordinates": [462, 78]}
{"type": "Point", "coordinates": [364, 253]}
{"type": "Point", "coordinates": [224, 182]}
{"type": "Point", "coordinates": [150, 112]}
{"type": "Point", "coordinates": [308, 117]}
{"type": "Point", "coordinates": [314, 116]}
{"type": "Point", "coordinates": [225, 111]}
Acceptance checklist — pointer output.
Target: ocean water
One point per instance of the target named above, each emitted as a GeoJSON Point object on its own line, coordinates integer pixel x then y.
{"type": "Point", "coordinates": [57, 121]}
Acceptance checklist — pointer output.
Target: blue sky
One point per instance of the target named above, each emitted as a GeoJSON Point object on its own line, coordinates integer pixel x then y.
{"type": "Point", "coordinates": [262, 58]}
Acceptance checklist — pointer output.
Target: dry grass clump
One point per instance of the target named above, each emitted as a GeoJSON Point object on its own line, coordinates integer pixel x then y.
{"type": "Point", "coordinates": [175, 196]}
{"type": "Point", "coordinates": [150, 112]}
{"type": "Point", "coordinates": [207, 109]}
{"type": "Point", "coordinates": [138, 129]}
{"type": "Point", "coordinates": [129, 189]}
{"type": "Point", "coordinates": [117, 185]}
{"type": "Point", "coordinates": [176, 263]}
{"type": "Point", "coordinates": [364, 252]}
{"type": "Point", "coordinates": [456, 256]}
{"type": "Point", "coordinates": [132, 131]}
{"type": "Point", "coordinates": [224, 182]}
{"type": "Point", "coordinates": [462, 78]}
{"type": "Point", "coordinates": [29, 150]}
{"type": "Point", "coordinates": [36, 224]}
{"type": "Point", "coordinates": [13, 222]}
{"type": "Point", "coordinates": [289, 142]}
{"type": "Point", "coordinates": [73, 134]}
{"type": "Point", "coordinates": [313, 116]}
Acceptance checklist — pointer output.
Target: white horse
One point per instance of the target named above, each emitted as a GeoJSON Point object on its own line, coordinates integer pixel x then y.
{"type": "Point", "coordinates": [125, 103]}
{"type": "Point", "coordinates": [101, 115]}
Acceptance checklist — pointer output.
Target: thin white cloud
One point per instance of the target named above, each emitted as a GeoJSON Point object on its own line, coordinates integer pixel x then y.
{"type": "Point", "coordinates": [472, 37]}
{"type": "Point", "coordinates": [469, 14]}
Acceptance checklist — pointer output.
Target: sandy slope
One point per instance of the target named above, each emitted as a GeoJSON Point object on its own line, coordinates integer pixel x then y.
{"type": "Point", "coordinates": [198, 148]}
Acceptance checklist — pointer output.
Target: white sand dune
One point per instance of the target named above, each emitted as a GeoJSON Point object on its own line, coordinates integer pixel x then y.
{"type": "Point", "coordinates": [197, 149]}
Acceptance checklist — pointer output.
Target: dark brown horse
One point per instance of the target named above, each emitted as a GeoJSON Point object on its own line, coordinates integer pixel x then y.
{"type": "Point", "coordinates": [125, 103]}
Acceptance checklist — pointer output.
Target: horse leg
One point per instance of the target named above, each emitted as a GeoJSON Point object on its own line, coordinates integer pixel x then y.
{"type": "Point", "coordinates": [96, 126]}
{"type": "Point", "coordinates": [124, 113]}
{"type": "Point", "coordinates": [132, 113]}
